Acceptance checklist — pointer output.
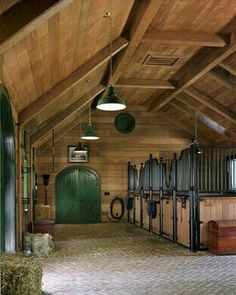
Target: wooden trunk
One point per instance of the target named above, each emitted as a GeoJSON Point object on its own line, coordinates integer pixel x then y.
{"type": "Point", "coordinates": [222, 236]}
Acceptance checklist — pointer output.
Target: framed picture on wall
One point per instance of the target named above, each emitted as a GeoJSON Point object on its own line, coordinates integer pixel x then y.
{"type": "Point", "coordinates": [81, 156]}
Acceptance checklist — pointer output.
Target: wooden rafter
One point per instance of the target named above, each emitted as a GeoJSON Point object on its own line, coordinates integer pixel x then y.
{"type": "Point", "coordinates": [224, 78]}
{"type": "Point", "coordinates": [144, 83]}
{"type": "Point", "coordinates": [189, 110]}
{"type": "Point", "coordinates": [68, 125]}
{"type": "Point", "coordinates": [228, 67]}
{"type": "Point", "coordinates": [206, 113]}
{"type": "Point", "coordinates": [194, 70]}
{"type": "Point", "coordinates": [184, 38]}
{"type": "Point", "coordinates": [24, 17]}
{"type": "Point", "coordinates": [143, 19]}
{"type": "Point", "coordinates": [212, 104]}
{"type": "Point", "coordinates": [66, 84]}
{"type": "Point", "coordinates": [59, 118]}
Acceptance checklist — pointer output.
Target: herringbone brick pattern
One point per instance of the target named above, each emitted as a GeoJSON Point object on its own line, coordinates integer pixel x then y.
{"type": "Point", "coordinates": [120, 259]}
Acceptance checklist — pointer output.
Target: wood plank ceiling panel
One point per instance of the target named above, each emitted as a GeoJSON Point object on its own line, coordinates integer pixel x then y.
{"type": "Point", "coordinates": [214, 89]}
{"type": "Point", "coordinates": [191, 15]}
{"type": "Point", "coordinates": [58, 46]}
{"type": "Point", "coordinates": [6, 4]}
{"type": "Point", "coordinates": [137, 68]}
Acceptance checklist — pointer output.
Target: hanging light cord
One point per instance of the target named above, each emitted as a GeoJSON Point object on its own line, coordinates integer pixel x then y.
{"type": "Point", "coordinates": [53, 150]}
{"type": "Point", "coordinates": [89, 94]}
{"type": "Point", "coordinates": [108, 15]}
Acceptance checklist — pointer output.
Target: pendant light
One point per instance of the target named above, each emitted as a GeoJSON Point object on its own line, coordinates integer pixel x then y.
{"type": "Point", "coordinates": [79, 148]}
{"type": "Point", "coordinates": [110, 101]}
{"type": "Point", "coordinates": [89, 133]}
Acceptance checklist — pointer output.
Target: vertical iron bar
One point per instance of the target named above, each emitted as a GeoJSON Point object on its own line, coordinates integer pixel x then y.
{"type": "Point", "coordinates": [134, 197]}
{"type": "Point", "coordinates": [192, 199]}
{"type": "Point", "coordinates": [150, 191]}
{"type": "Point", "coordinates": [161, 198]}
{"type": "Point", "coordinates": [141, 195]}
{"type": "Point", "coordinates": [128, 210]}
{"type": "Point", "coordinates": [174, 199]}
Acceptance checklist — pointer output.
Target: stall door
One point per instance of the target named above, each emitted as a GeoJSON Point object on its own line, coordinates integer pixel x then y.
{"type": "Point", "coordinates": [78, 196]}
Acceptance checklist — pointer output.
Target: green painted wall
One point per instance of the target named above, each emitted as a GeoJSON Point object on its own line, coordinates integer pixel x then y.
{"type": "Point", "coordinates": [78, 196]}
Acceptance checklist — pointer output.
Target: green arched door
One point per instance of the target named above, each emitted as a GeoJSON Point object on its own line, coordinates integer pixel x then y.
{"type": "Point", "coordinates": [78, 196]}
{"type": "Point", "coordinates": [7, 175]}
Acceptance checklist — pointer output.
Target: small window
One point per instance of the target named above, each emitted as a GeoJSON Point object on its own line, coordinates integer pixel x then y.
{"type": "Point", "coordinates": [232, 174]}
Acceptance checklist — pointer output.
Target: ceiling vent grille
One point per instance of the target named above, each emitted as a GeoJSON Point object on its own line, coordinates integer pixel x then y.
{"type": "Point", "coordinates": [163, 61]}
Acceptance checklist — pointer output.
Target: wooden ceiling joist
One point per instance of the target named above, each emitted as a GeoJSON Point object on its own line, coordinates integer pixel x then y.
{"type": "Point", "coordinates": [24, 17]}
{"type": "Point", "coordinates": [144, 83]}
{"type": "Point", "coordinates": [58, 119]}
{"type": "Point", "coordinates": [188, 109]}
{"type": "Point", "coordinates": [228, 67]}
{"type": "Point", "coordinates": [70, 123]}
{"type": "Point", "coordinates": [224, 78]}
{"type": "Point", "coordinates": [212, 104]}
{"type": "Point", "coordinates": [142, 20]}
{"type": "Point", "coordinates": [66, 84]}
{"type": "Point", "coordinates": [184, 38]}
{"type": "Point", "coordinates": [194, 70]}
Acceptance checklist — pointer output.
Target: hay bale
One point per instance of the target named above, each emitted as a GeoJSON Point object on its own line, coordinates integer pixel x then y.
{"type": "Point", "coordinates": [20, 275]}
{"type": "Point", "coordinates": [43, 212]}
{"type": "Point", "coordinates": [40, 244]}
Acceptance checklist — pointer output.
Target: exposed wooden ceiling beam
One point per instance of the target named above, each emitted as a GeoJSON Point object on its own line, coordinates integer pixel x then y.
{"type": "Point", "coordinates": [184, 38]}
{"type": "Point", "coordinates": [146, 12]}
{"type": "Point", "coordinates": [24, 17]}
{"type": "Point", "coordinates": [69, 124]}
{"type": "Point", "coordinates": [212, 104]}
{"type": "Point", "coordinates": [189, 110]}
{"type": "Point", "coordinates": [58, 119]}
{"type": "Point", "coordinates": [177, 123]}
{"type": "Point", "coordinates": [206, 113]}
{"type": "Point", "coordinates": [228, 67]}
{"type": "Point", "coordinates": [144, 83]}
{"type": "Point", "coordinates": [224, 78]}
{"type": "Point", "coordinates": [63, 86]}
{"type": "Point", "coordinates": [194, 70]}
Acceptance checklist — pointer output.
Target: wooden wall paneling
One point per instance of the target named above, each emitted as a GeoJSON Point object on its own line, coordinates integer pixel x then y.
{"type": "Point", "coordinates": [137, 211]}
{"type": "Point", "coordinates": [167, 218]}
{"type": "Point", "coordinates": [183, 223]}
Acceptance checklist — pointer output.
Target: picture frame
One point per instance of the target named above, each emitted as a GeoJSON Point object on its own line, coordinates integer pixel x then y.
{"type": "Point", "coordinates": [81, 157]}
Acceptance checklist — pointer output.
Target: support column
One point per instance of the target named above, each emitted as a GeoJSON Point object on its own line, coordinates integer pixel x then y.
{"type": "Point", "coordinates": [161, 198]}
{"type": "Point", "coordinates": [150, 197]}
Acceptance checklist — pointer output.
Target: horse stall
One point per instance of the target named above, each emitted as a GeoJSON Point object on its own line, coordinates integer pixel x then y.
{"type": "Point", "coordinates": [176, 198]}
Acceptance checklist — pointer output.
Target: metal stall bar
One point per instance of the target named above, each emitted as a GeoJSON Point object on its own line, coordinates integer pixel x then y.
{"type": "Point", "coordinates": [161, 198]}
{"type": "Point", "coordinates": [134, 197]}
{"type": "Point", "coordinates": [192, 199]}
{"type": "Point", "coordinates": [141, 194]}
{"type": "Point", "coordinates": [150, 197]}
{"type": "Point", "coordinates": [129, 189]}
{"type": "Point", "coordinates": [174, 198]}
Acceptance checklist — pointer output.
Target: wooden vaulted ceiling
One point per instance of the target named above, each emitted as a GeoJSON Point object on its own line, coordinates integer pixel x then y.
{"type": "Point", "coordinates": [174, 58]}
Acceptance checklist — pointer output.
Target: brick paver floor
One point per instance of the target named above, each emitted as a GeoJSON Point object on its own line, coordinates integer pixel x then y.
{"type": "Point", "coordinates": [122, 259]}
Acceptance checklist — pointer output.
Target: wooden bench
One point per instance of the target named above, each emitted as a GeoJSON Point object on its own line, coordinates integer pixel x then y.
{"type": "Point", "coordinates": [222, 236]}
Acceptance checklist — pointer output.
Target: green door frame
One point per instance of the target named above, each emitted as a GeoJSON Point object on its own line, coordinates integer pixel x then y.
{"type": "Point", "coordinates": [7, 175]}
{"type": "Point", "coordinates": [72, 168]}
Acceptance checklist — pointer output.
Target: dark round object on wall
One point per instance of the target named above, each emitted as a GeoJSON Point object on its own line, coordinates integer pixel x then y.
{"type": "Point", "coordinates": [124, 123]}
